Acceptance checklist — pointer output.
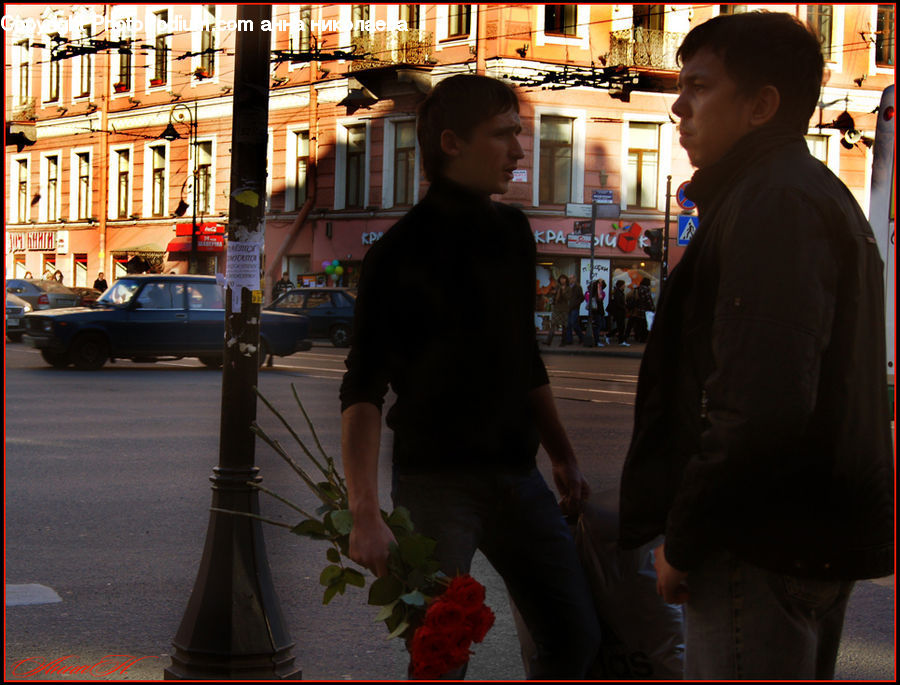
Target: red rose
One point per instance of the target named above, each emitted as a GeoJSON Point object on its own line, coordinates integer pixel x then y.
{"type": "Point", "coordinates": [466, 591]}
{"type": "Point", "coordinates": [479, 623]}
{"type": "Point", "coordinates": [430, 650]}
{"type": "Point", "coordinates": [445, 615]}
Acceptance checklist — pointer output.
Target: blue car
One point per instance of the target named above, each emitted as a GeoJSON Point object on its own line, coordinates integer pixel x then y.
{"type": "Point", "coordinates": [152, 317]}
{"type": "Point", "coordinates": [329, 310]}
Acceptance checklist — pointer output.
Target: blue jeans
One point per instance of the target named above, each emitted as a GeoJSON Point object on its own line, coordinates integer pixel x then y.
{"type": "Point", "coordinates": [574, 324]}
{"type": "Point", "coordinates": [513, 518]}
{"type": "Point", "coordinates": [744, 622]}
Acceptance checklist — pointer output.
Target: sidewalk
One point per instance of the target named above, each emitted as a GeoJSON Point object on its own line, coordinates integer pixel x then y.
{"type": "Point", "coordinates": [634, 350]}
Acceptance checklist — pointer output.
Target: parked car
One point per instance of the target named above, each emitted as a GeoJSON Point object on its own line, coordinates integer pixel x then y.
{"type": "Point", "coordinates": [43, 294]}
{"type": "Point", "coordinates": [330, 311]}
{"type": "Point", "coordinates": [88, 295]}
{"type": "Point", "coordinates": [151, 317]}
{"type": "Point", "coordinates": [16, 309]}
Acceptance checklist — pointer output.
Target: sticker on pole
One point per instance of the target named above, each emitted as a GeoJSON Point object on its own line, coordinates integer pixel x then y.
{"type": "Point", "coordinates": [242, 270]}
{"type": "Point", "coordinates": [682, 199]}
{"type": "Point", "coordinates": [687, 226]}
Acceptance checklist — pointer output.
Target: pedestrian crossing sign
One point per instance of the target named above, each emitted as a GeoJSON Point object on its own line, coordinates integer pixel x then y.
{"type": "Point", "coordinates": [687, 225]}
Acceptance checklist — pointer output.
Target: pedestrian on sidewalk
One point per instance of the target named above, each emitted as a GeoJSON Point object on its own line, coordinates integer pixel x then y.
{"type": "Point", "coordinates": [573, 324]}
{"type": "Point", "coordinates": [617, 311]}
{"type": "Point", "coordinates": [762, 446]}
{"type": "Point", "coordinates": [596, 297]}
{"type": "Point", "coordinates": [643, 303]}
{"type": "Point", "coordinates": [100, 283]}
{"type": "Point", "coordinates": [559, 309]}
{"type": "Point", "coordinates": [467, 419]}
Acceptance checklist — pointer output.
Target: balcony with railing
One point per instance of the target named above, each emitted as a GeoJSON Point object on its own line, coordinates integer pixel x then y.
{"type": "Point", "coordinates": [20, 108]}
{"type": "Point", "coordinates": [647, 48]}
{"type": "Point", "coordinates": [387, 48]}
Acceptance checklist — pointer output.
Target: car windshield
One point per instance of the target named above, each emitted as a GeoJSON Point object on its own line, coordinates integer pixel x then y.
{"type": "Point", "coordinates": [120, 293]}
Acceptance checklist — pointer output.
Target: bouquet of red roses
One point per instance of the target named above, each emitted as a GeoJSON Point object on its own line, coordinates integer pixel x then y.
{"type": "Point", "coordinates": [439, 617]}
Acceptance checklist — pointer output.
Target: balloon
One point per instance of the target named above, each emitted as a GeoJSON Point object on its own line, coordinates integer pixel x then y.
{"type": "Point", "coordinates": [329, 269]}
{"type": "Point", "coordinates": [326, 264]}
{"type": "Point", "coordinates": [335, 263]}
{"type": "Point", "coordinates": [338, 270]}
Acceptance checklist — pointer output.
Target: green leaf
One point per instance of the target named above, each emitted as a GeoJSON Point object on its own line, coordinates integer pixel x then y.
{"type": "Point", "coordinates": [342, 521]}
{"type": "Point", "coordinates": [329, 490]}
{"type": "Point", "coordinates": [333, 555]}
{"type": "Point", "coordinates": [414, 598]}
{"type": "Point", "coordinates": [400, 518]}
{"type": "Point", "coordinates": [312, 529]}
{"type": "Point", "coordinates": [385, 590]}
{"type": "Point", "coordinates": [415, 550]}
{"type": "Point", "coordinates": [329, 594]}
{"type": "Point", "coordinates": [398, 631]}
{"type": "Point", "coordinates": [354, 577]}
{"type": "Point", "coordinates": [324, 509]}
{"type": "Point", "coordinates": [330, 574]}
{"type": "Point", "coordinates": [386, 611]}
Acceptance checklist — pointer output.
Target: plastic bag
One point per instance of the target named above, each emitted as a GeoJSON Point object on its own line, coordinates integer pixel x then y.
{"type": "Point", "coordinates": [643, 637]}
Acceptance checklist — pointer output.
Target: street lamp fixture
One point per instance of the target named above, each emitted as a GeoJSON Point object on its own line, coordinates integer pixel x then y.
{"type": "Point", "coordinates": [181, 113]}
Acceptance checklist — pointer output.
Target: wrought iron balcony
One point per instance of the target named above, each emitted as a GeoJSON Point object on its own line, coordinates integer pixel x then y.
{"type": "Point", "coordinates": [648, 48]}
{"type": "Point", "coordinates": [393, 47]}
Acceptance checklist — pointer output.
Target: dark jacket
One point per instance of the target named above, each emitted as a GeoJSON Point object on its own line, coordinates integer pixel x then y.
{"type": "Point", "coordinates": [445, 315]}
{"type": "Point", "coordinates": [761, 418]}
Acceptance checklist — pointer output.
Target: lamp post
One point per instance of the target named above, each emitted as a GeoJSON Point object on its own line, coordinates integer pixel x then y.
{"type": "Point", "coordinates": [179, 113]}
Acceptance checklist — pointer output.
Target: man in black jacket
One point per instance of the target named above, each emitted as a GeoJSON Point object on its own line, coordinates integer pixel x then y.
{"type": "Point", "coordinates": [762, 444]}
{"type": "Point", "coordinates": [473, 397]}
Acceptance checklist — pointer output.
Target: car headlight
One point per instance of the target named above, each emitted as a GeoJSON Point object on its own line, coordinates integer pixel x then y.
{"type": "Point", "coordinates": [28, 308]}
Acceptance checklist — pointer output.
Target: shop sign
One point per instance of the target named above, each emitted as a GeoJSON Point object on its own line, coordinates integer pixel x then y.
{"type": "Point", "coordinates": [42, 241]}
{"type": "Point", "coordinates": [62, 242]}
{"type": "Point", "coordinates": [15, 242]}
{"type": "Point", "coordinates": [625, 238]}
{"type": "Point", "coordinates": [202, 229]}
{"type": "Point", "coordinates": [371, 238]}
{"type": "Point", "coordinates": [578, 241]}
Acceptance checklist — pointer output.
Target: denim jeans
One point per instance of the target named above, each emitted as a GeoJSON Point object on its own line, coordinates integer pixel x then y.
{"type": "Point", "coordinates": [573, 326]}
{"type": "Point", "coordinates": [513, 518]}
{"type": "Point", "coordinates": [744, 622]}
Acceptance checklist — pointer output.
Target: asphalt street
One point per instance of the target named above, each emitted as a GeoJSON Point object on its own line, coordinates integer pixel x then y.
{"type": "Point", "coordinates": [107, 496]}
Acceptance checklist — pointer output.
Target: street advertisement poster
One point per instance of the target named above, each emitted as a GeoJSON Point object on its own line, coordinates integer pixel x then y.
{"type": "Point", "coordinates": [601, 270]}
{"type": "Point", "coordinates": [242, 270]}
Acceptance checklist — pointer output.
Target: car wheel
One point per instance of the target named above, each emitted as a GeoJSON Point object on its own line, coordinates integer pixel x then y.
{"type": "Point", "coordinates": [89, 352]}
{"type": "Point", "coordinates": [58, 360]}
{"type": "Point", "coordinates": [340, 336]}
{"type": "Point", "coordinates": [211, 362]}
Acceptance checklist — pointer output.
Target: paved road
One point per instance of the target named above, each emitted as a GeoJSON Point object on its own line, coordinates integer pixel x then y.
{"type": "Point", "coordinates": [106, 506]}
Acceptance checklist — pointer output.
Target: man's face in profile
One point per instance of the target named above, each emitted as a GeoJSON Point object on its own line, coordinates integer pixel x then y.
{"type": "Point", "coordinates": [485, 161]}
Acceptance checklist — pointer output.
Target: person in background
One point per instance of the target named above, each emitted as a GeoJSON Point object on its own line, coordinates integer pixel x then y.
{"type": "Point", "coordinates": [573, 323]}
{"type": "Point", "coordinates": [762, 443]}
{"type": "Point", "coordinates": [617, 311]}
{"type": "Point", "coordinates": [100, 283]}
{"type": "Point", "coordinates": [282, 286]}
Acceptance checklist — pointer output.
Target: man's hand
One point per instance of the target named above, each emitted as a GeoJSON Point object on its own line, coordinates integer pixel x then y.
{"type": "Point", "coordinates": [572, 486]}
{"type": "Point", "coordinates": [671, 583]}
{"type": "Point", "coordinates": [370, 541]}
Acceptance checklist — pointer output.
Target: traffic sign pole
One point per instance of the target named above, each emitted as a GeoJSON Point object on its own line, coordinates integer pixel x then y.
{"type": "Point", "coordinates": [664, 267]}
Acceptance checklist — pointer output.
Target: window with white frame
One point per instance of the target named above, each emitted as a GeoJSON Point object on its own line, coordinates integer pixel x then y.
{"type": "Point", "coordinates": [54, 72]}
{"type": "Point", "coordinates": [297, 175]}
{"type": "Point", "coordinates": [818, 147]}
{"type": "Point", "coordinates": [158, 180]}
{"type": "Point", "coordinates": [459, 20]}
{"type": "Point", "coordinates": [23, 190]}
{"type": "Point", "coordinates": [650, 17]}
{"type": "Point", "coordinates": [356, 167]}
{"type": "Point", "coordinates": [123, 183]}
{"type": "Point", "coordinates": [820, 19]}
{"type": "Point", "coordinates": [204, 176]}
{"type": "Point", "coordinates": [82, 185]}
{"type": "Point", "coordinates": [556, 161]}
{"type": "Point", "coordinates": [358, 14]}
{"type": "Point", "coordinates": [85, 67]}
{"type": "Point", "coordinates": [159, 74]}
{"type": "Point", "coordinates": [411, 15]}
{"type": "Point", "coordinates": [884, 36]}
{"type": "Point", "coordinates": [23, 72]}
{"type": "Point", "coordinates": [404, 163]}
{"type": "Point", "coordinates": [52, 187]}
{"type": "Point", "coordinates": [299, 40]}
{"type": "Point", "coordinates": [208, 42]}
{"type": "Point", "coordinates": [561, 20]}
{"type": "Point", "coordinates": [642, 171]}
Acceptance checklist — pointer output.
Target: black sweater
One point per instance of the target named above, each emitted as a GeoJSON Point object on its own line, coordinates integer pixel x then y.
{"type": "Point", "coordinates": [445, 315]}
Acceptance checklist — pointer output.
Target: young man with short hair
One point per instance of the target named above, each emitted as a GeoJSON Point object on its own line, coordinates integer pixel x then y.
{"type": "Point", "coordinates": [762, 445]}
{"type": "Point", "coordinates": [473, 397]}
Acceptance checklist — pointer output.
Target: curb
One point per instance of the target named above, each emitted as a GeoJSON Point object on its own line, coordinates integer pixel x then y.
{"type": "Point", "coordinates": [633, 352]}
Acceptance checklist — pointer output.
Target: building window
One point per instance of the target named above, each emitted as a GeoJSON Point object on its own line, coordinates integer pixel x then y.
{"type": "Point", "coordinates": [459, 20]}
{"type": "Point", "coordinates": [404, 162]}
{"type": "Point", "coordinates": [208, 42]}
{"type": "Point", "coordinates": [158, 180]}
{"type": "Point", "coordinates": [356, 166]}
{"type": "Point", "coordinates": [300, 38]}
{"type": "Point", "coordinates": [560, 20]}
{"type": "Point", "coordinates": [410, 14]}
{"type": "Point", "coordinates": [732, 9]}
{"type": "Point", "coordinates": [22, 194]}
{"type": "Point", "coordinates": [161, 48]}
{"type": "Point", "coordinates": [81, 273]}
{"type": "Point", "coordinates": [204, 177]}
{"type": "Point", "coordinates": [819, 18]}
{"type": "Point", "coordinates": [23, 70]}
{"type": "Point", "coordinates": [358, 14]}
{"type": "Point", "coordinates": [556, 160]}
{"type": "Point", "coordinates": [884, 36]}
{"type": "Point", "coordinates": [19, 268]}
{"type": "Point", "coordinates": [52, 188]}
{"type": "Point", "coordinates": [301, 165]}
{"type": "Point", "coordinates": [818, 147]}
{"type": "Point", "coordinates": [87, 66]}
{"type": "Point", "coordinates": [650, 17]}
{"type": "Point", "coordinates": [123, 183]}
{"type": "Point", "coordinates": [83, 201]}
{"type": "Point", "coordinates": [53, 75]}
{"type": "Point", "coordinates": [125, 69]}
{"type": "Point", "coordinates": [642, 175]}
